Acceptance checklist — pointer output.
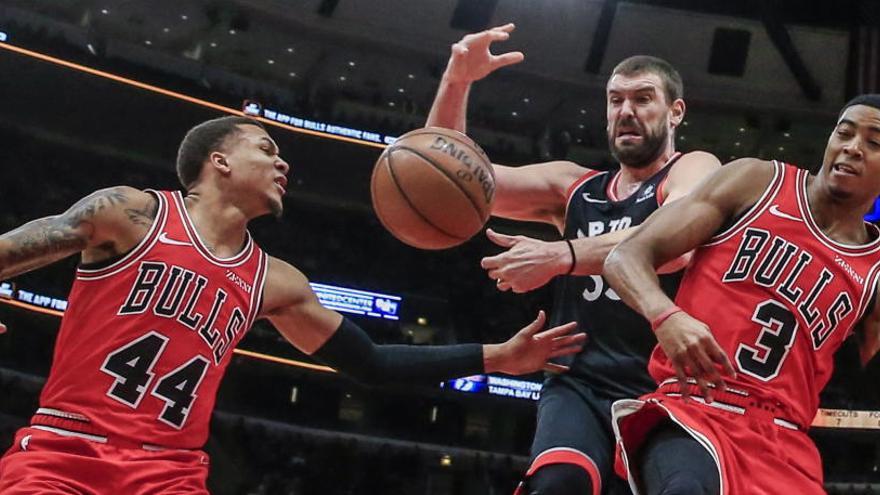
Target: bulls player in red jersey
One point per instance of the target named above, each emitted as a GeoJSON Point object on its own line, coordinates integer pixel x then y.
{"type": "Point", "coordinates": [785, 270]}
{"type": "Point", "coordinates": [168, 285]}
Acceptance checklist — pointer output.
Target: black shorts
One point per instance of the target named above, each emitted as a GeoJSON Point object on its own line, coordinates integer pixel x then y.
{"type": "Point", "coordinates": [574, 426]}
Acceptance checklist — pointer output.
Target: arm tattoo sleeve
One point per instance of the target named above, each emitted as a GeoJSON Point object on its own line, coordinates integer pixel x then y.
{"type": "Point", "coordinates": [46, 240]}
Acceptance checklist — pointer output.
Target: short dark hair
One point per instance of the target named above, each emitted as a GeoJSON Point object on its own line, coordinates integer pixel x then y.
{"type": "Point", "coordinates": [869, 99]}
{"type": "Point", "coordinates": [201, 141]}
{"type": "Point", "coordinates": [639, 64]}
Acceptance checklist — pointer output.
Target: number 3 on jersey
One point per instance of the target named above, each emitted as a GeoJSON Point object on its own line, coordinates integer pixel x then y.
{"type": "Point", "coordinates": [132, 364]}
{"type": "Point", "coordinates": [778, 329]}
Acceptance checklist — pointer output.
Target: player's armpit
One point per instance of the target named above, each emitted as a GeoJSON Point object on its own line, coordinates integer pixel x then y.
{"type": "Point", "coordinates": [98, 223]}
{"type": "Point", "coordinates": [535, 192]}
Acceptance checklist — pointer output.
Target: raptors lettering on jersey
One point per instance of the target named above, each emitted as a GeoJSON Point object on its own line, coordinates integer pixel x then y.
{"type": "Point", "coordinates": [146, 340]}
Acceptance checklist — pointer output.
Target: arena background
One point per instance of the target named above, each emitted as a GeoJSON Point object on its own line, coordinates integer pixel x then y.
{"type": "Point", "coordinates": [99, 93]}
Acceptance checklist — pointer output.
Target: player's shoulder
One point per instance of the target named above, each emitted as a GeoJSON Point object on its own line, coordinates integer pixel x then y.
{"type": "Point", "coordinates": [697, 158]}
{"type": "Point", "coordinates": [115, 206]}
{"type": "Point", "coordinates": [753, 170]}
{"type": "Point", "coordinates": [741, 182]}
{"type": "Point", "coordinates": [111, 198]}
{"type": "Point", "coordinates": [565, 169]}
{"type": "Point", "coordinates": [570, 172]}
{"type": "Point", "coordinates": [692, 166]}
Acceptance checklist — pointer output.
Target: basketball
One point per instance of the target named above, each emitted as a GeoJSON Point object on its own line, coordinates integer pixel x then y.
{"type": "Point", "coordinates": [433, 188]}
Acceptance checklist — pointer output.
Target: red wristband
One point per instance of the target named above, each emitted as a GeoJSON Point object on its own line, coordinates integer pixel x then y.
{"type": "Point", "coordinates": [671, 310]}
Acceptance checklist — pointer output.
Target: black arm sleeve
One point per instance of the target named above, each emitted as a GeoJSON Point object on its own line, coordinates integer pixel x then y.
{"type": "Point", "coordinates": [352, 353]}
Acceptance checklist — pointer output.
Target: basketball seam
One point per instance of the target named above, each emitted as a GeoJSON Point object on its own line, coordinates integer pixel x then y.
{"type": "Point", "coordinates": [412, 206]}
{"type": "Point", "coordinates": [446, 174]}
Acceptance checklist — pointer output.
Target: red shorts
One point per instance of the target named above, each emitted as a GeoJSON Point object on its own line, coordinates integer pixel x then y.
{"type": "Point", "coordinates": [756, 454]}
{"type": "Point", "coordinates": [48, 463]}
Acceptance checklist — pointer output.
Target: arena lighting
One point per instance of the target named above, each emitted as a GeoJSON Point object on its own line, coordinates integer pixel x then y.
{"type": "Point", "coordinates": [3, 36]}
{"type": "Point", "coordinates": [343, 134]}
{"type": "Point", "coordinates": [358, 302]}
{"type": "Point", "coordinates": [343, 299]}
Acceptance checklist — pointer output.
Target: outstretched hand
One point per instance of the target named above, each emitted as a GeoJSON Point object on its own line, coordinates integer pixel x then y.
{"type": "Point", "coordinates": [527, 264]}
{"type": "Point", "coordinates": [693, 351]}
{"type": "Point", "coordinates": [529, 351]}
{"type": "Point", "coordinates": [471, 59]}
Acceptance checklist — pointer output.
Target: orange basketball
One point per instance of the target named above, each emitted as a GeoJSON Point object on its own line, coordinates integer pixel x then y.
{"type": "Point", "coordinates": [433, 188]}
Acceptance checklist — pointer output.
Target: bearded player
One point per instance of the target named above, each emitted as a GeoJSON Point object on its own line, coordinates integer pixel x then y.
{"type": "Point", "coordinates": [785, 270]}
{"type": "Point", "coordinates": [573, 448]}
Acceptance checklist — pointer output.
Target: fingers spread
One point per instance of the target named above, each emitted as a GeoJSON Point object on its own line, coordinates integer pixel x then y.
{"type": "Point", "coordinates": [566, 351]}
{"type": "Point", "coordinates": [507, 59]}
{"type": "Point", "coordinates": [564, 340]}
{"type": "Point", "coordinates": [536, 325]}
{"type": "Point", "coordinates": [682, 380]}
{"type": "Point", "coordinates": [719, 356]}
{"type": "Point", "coordinates": [555, 332]}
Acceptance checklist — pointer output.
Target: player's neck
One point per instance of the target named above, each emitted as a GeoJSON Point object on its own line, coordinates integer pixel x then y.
{"type": "Point", "coordinates": [220, 224]}
{"type": "Point", "coordinates": [631, 178]}
{"type": "Point", "coordinates": [840, 220]}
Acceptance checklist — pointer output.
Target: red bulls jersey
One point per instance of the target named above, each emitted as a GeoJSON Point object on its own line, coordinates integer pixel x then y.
{"type": "Point", "coordinates": [779, 295]}
{"type": "Point", "coordinates": [145, 341]}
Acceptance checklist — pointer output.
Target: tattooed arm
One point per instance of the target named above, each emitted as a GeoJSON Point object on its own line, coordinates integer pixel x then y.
{"type": "Point", "coordinates": [105, 223]}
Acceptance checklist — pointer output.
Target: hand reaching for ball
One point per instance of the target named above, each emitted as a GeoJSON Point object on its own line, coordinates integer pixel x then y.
{"type": "Point", "coordinates": [471, 59]}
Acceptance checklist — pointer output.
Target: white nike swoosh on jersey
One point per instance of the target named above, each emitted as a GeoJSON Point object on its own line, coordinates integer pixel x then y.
{"type": "Point", "coordinates": [774, 210]}
{"type": "Point", "coordinates": [590, 199]}
{"type": "Point", "coordinates": [644, 198]}
{"type": "Point", "coordinates": [163, 238]}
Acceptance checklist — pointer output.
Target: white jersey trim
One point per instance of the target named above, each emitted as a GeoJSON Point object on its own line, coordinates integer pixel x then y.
{"type": "Point", "coordinates": [838, 247]}
{"type": "Point", "coordinates": [625, 407]}
{"type": "Point", "coordinates": [57, 413]}
{"type": "Point", "coordinates": [257, 294]}
{"type": "Point", "coordinates": [68, 433]}
{"type": "Point", "coordinates": [237, 259]}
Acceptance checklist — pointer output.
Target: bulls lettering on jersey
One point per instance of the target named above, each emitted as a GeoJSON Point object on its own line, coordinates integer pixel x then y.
{"type": "Point", "coordinates": [615, 358]}
{"type": "Point", "coordinates": [147, 339]}
{"type": "Point", "coordinates": [163, 295]}
{"type": "Point", "coordinates": [779, 295]}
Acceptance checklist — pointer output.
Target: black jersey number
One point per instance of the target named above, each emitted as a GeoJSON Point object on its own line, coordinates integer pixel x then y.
{"type": "Point", "coordinates": [132, 367]}
{"type": "Point", "coordinates": [779, 326]}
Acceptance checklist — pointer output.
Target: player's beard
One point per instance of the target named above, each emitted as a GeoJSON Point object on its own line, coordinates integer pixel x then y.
{"type": "Point", "coordinates": [640, 155]}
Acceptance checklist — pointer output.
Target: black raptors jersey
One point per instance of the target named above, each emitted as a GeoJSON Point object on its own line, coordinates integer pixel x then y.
{"type": "Point", "coordinates": [615, 357]}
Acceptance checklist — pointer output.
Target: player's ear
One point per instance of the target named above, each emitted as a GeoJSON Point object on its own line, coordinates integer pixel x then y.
{"type": "Point", "coordinates": [676, 112]}
{"type": "Point", "coordinates": [218, 161]}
